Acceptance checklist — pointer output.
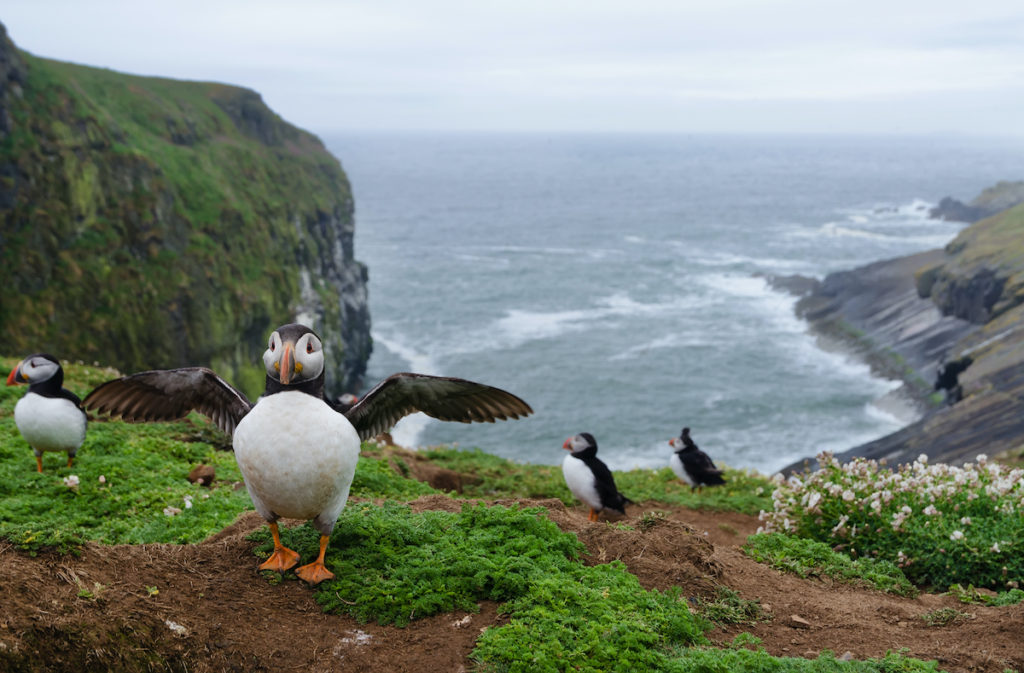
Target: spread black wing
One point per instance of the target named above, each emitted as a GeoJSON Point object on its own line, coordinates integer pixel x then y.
{"type": "Point", "coordinates": [169, 394]}
{"type": "Point", "coordinates": [444, 398]}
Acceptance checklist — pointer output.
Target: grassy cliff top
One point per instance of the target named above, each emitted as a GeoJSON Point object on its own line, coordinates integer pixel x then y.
{"type": "Point", "coordinates": [153, 222]}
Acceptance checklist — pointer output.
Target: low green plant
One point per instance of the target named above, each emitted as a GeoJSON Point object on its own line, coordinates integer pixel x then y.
{"type": "Point", "coordinates": [377, 478]}
{"type": "Point", "coordinates": [941, 524]}
{"type": "Point", "coordinates": [972, 595]}
{"type": "Point", "coordinates": [741, 660]}
{"type": "Point", "coordinates": [393, 565]}
{"type": "Point", "coordinates": [808, 558]}
{"type": "Point", "coordinates": [729, 608]}
{"type": "Point", "coordinates": [127, 486]}
{"type": "Point", "coordinates": [945, 617]}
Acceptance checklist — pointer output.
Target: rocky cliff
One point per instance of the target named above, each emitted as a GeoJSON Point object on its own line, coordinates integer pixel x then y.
{"type": "Point", "coordinates": [950, 324]}
{"type": "Point", "coordinates": [147, 222]}
{"type": "Point", "coordinates": [990, 202]}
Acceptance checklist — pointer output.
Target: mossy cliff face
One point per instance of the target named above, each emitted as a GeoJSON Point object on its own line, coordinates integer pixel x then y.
{"type": "Point", "coordinates": [151, 223]}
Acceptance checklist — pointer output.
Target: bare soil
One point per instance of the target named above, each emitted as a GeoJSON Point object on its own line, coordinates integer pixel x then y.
{"type": "Point", "coordinates": [213, 612]}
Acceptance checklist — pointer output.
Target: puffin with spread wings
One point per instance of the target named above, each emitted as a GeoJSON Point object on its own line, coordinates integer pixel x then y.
{"type": "Point", "coordinates": [297, 453]}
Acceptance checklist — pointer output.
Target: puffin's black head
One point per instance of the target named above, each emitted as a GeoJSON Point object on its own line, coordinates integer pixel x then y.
{"type": "Point", "coordinates": [294, 355]}
{"type": "Point", "coordinates": [36, 369]}
{"type": "Point", "coordinates": [679, 443]}
{"type": "Point", "coordinates": [580, 443]}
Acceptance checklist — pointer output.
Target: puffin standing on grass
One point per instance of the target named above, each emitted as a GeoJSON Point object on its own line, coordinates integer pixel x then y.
{"type": "Point", "coordinates": [691, 464]}
{"type": "Point", "coordinates": [296, 452]}
{"type": "Point", "coordinates": [589, 478]}
{"type": "Point", "coordinates": [48, 416]}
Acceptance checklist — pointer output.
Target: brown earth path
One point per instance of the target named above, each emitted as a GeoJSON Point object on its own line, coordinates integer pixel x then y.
{"type": "Point", "coordinates": [213, 611]}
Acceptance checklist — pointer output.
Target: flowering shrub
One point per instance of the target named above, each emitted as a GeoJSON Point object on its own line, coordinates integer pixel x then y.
{"type": "Point", "coordinates": [941, 524]}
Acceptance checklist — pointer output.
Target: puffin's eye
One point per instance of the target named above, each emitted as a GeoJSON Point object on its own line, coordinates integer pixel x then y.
{"type": "Point", "coordinates": [309, 346]}
{"type": "Point", "coordinates": [271, 346]}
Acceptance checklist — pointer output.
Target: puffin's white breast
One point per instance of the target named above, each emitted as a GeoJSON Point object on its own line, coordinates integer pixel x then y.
{"type": "Point", "coordinates": [50, 423]}
{"type": "Point", "coordinates": [677, 466]}
{"type": "Point", "coordinates": [298, 456]}
{"type": "Point", "coordinates": [581, 482]}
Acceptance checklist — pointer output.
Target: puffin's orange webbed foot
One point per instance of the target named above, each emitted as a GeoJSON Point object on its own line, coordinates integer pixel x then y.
{"type": "Point", "coordinates": [316, 572]}
{"type": "Point", "coordinates": [283, 558]}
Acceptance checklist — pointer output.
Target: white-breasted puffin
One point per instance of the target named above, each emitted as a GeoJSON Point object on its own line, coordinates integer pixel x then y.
{"type": "Point", "coordinates": [296, 452]}
{"type": "Point", "coordinates": [48, 416]}
{"type": "Point", "coordinates": [589, 478]}
{"type": "Point", "coordinates": [691, 464]}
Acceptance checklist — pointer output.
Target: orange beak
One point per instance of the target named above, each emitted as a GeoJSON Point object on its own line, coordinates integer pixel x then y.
{"type": "Point", "coordinates": [13, 378]}
{"type": "Point", "coordinates": [287, 363]}
{"type": "Point", "coordinates": [566, 444]}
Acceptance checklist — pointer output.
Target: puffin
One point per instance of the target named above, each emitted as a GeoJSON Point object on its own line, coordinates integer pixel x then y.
{"type": "Point", "coordinates": [691, 464]}
{"type": "Point", "coordinates": [589, 478]}
{"type": "Point", "coordinates": [296, 452]}
{"type": "Point", "coordinates": [48, 416]}
{"type": "Point", "coordinates": [344, 402]}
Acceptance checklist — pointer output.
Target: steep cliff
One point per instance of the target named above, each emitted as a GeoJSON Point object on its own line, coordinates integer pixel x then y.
{"type": "Point", "coordinates": [147, 222]}
{"type": "Point", "coordinates": [953, 320]}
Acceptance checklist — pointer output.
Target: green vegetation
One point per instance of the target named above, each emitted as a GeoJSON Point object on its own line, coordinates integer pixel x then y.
{"type": "Point", "coordinates": [496, 477]}
{"type": "Point", "coordinates": [945, 617]}
{"type": "Point", "coordinates": [153, 221]}
{"type": "Point", "coordinates": [972, 595]}
{"type": "Point", "coordinates": [970, 515]}
{"type": "Point", "coordinates": [393, 566]}
{"type": "Point", "coordinates": [759, 661]}
{"type": "Point", "coordinates": [808, 558]}
{"type": "Point", "coordinates": [127, 477]}
{"type": "Point", "coordinates": [729, 608]}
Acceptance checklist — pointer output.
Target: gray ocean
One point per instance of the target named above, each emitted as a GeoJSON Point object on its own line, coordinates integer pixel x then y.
{"type": "Point", "coordinates": [615, 281]}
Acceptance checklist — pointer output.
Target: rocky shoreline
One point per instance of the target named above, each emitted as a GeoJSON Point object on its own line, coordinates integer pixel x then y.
{"type": "Point", "coordinates": [949, 323]}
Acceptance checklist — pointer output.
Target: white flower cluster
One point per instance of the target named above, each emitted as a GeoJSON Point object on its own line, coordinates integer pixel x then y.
{"type": "Point", "coordinates": [862, 490]}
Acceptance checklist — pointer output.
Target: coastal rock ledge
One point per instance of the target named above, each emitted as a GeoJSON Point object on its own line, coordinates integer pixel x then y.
{"type": "Point", "coordinates": [949, 323]}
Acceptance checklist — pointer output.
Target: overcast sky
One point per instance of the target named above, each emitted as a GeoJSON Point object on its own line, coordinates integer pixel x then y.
{"type": "Point", "coordinates": [867, 66]}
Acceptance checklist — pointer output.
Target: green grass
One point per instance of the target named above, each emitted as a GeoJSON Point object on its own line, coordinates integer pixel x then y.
{"type": "Point", "coordinates": [729, 608]}
{"type": "Point", "coordinates": [972, 595]}
{"type": "Point", "coordinates": [745, 492]}
{"type": "Point", "coordinates": [808, 558]}
{"type": "Point", "coordinates": [759, 661]}
{"type": "Point", "coordinates": [945, 617]}
{"type": "Point", "coordinates": [143, 469]}
{"type": "Point", "coordinates": [393, 566]}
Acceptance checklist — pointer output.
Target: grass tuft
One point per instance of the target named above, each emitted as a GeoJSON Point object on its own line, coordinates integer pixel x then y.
{"type": "Point", "coordinates": [807, 558]}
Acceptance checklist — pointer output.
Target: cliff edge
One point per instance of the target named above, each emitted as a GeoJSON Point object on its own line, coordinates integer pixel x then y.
{"type": "Point", "coordinates": [950, 324]}
{"type": "Point", "coordinates": [154, 223]}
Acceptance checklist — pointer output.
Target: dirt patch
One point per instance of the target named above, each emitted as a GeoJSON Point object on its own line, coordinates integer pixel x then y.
{"type": "Point", "coordinates": [204, 607]}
